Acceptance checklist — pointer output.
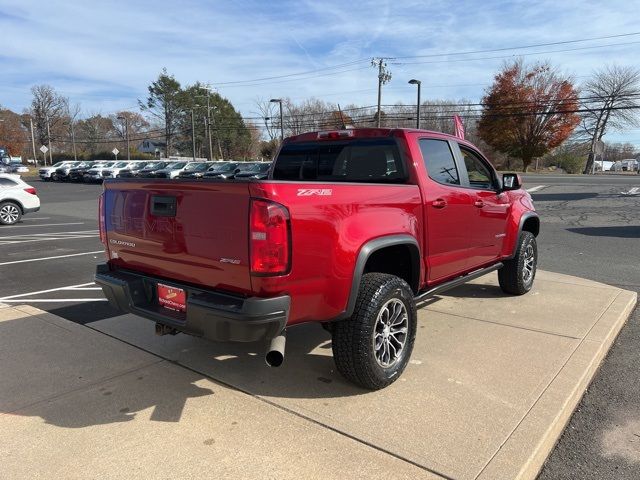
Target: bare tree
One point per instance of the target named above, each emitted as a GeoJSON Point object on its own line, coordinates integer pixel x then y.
{"type": "Point", "coordinates": [48, 110]}
{"type": "Point", "coordinates": [611, 97]}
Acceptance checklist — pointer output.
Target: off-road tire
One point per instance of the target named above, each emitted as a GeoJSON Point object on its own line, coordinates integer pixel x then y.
{"type": "Point", "coordinates": [512, 276]}
{"type": "Point", "coordinates": [353, 339]}
{"type": "Point", "coordinates": [10, 213]}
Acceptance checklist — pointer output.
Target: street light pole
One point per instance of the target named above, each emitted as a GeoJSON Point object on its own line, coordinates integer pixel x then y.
{"type": "Point", "coordinates": [73, 142]}
{"type": "Point", "coordinates": [419, 84]}
{"type": "Point", "coordinates": [279, 101]}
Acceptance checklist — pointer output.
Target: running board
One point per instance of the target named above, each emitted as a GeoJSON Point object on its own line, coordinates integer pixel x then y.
{"type": "Point", "coordinates": [456, 282]}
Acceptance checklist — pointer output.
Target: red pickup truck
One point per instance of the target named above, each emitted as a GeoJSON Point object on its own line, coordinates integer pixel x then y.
{"type": "Point", "coordinates": [352, 229]}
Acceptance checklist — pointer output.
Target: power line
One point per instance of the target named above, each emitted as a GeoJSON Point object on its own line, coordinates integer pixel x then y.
{"type": "Point", "coordinates": [522, 47]}
{"type": "Point", "coordinates": [262, 80]}
{"type": "Point", "coordinates": [515, 55]}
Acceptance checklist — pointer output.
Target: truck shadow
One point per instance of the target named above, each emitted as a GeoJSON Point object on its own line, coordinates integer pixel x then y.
{"type": "Point", "coordinates": [77, 381]}
{"type": "Point", "coordinates": [624, 231]}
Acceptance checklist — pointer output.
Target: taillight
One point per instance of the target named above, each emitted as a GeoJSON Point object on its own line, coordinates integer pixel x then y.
{"type": "Point", "coordinates": [269, 237]}
{"type": "Point", "coordinates": [334, 135]}
{"type": "Point", "coordinates": [31, 190]}
{"type": "Point", "coordinates": [101, 220]}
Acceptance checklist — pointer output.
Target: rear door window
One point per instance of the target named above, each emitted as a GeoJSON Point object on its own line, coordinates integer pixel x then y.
{"type": "Point", "coordinates": [364, 160]}
{"type": "Point", "coordinates": [439, 161]}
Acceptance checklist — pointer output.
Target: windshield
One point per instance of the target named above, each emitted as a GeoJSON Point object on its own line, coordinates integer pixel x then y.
{"type": "Point", "coordinates": [139, 165]}
{"type": "Point", "coordinates": [195, 167]}
{"type": "Point", "coordinates": [222, 168]}
{"type": "Point", "coordinates": [120, 165]}
{"type": "Point", "coordinates": [106, 165]}
{"type": "Point", "coordinates": [155, 165]}
{"type": "Point", "coordinates": [248, 167]}
{"type": "Point", "coordinates": [177, 165]}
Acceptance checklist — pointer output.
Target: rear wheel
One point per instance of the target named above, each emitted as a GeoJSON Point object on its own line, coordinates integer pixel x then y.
{"type": "Point", "coordinates": [517, 275]}
{"type": "Point", "coordinates": [10, 213]}
{"type": "Point", "coordinates": [373, 347]}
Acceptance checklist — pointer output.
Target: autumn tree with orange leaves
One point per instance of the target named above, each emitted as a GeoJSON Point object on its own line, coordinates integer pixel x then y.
{"type": "Point", "coordinates": [528, 111]}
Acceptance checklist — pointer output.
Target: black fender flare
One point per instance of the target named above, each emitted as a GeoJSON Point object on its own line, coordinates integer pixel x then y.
{"type": "Point", "coordinates": [363, 255]}
{"type": "Point", "coordinates": [523, 218]}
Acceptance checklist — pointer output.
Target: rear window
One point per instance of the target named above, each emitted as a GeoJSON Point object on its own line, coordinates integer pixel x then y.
{"type": "Point", "coordinates": [6, 182]}
{"type": "Point", "coordinates": [366, 160]}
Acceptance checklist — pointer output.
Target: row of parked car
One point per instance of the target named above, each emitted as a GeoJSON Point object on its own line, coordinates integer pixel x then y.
{"type": "Point", "coordinates": [97, 171]}
{"type": "Point", "coordinates": [13, 168]}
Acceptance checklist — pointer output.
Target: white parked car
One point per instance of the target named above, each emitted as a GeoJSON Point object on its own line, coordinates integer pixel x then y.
{"type": "Point", "coordinates": [45, 172]}
{"type": "Point", "coordinates": [94, 174]}
{"type": "Point", "coordinates": [114, 171]}
{"type": "Point", "coordinates": [16, 198]}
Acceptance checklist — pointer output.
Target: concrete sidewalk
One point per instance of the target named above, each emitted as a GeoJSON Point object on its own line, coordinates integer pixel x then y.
{"type": "Point", "coordinates": [492, 382]}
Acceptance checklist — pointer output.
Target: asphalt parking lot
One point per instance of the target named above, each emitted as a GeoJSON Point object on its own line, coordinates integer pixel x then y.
{"type": "Point", "coordinates": [591, 227]}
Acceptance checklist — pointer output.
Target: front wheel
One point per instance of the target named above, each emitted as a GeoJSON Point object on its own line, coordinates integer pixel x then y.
{"type": "Point", "coordinates": [10, 213]}
{"type": "Point", "coordinates": [517, 275]}
{"type": "Point", "coordinates": [373, 347]}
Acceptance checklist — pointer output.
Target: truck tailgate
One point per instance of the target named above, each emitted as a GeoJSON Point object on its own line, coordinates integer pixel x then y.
{"type": "Point", "coordinates": [187, 231]}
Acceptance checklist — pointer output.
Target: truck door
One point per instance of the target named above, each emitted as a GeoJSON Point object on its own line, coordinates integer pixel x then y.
{"type": "Point", "coordinates": [448, 211]}
{"type": "Point", "coordinates": [488, 228]}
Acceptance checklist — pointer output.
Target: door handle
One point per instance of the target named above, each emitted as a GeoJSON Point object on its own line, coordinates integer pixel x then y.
{"type": "Point", "coordinates": [439, 203]}
{"type": "Point", "coordinates": [479, 203]}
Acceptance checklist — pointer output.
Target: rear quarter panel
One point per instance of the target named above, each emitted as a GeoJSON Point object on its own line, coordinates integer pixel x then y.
{"type": "Point", "coordinates": [330, 223]}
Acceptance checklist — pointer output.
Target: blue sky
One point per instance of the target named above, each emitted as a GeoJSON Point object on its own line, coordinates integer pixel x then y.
{"type": "Point", "coordinates": [104, 54]}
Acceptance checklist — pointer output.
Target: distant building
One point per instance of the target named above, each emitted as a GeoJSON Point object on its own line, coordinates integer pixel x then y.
{"type": "Point", "coordinates": [154, 147]}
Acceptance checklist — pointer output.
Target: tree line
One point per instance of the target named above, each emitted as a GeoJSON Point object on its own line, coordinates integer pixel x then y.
{"type": "Point", "coordinates": [530, 112]}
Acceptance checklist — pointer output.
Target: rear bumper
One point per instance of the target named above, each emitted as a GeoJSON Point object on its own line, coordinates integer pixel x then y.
{"type": "Point", "coordinates": [212, 315]}
{"type": "Point", "coordinates": [30, 210]}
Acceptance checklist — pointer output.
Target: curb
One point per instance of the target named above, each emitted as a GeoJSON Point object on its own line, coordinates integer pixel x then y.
{"type": "Point", "coordinates": [544, 421]}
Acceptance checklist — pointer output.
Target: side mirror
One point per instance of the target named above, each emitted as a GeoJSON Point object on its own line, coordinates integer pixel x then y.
{"type": "Point", "coordinates": [511, 181]}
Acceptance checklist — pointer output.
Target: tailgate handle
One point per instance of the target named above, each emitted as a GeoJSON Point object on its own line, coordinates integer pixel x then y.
{"type": "Point", "coordinates": [163, 206]}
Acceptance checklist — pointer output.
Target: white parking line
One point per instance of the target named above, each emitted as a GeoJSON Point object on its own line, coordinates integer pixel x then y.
{"type": "Point", "coordinates": [68, 287]}
{"type": "Point", "coordinates": [45, 237]}
{"type": "Point", "coordinates": [536, 188]}
{"type": "Point", "coordinates": [50, 258]}
{"type": "Point", "coordinates": [51, 234]}
{"type": "Point", "coordinates": [56, 300]}
{"type": "Point", "coordinates": [43, 225]}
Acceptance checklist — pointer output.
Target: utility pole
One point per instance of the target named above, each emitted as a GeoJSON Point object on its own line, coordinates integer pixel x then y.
{"type": "Point", "coordinates": [33, 143]}
{"type": "Point", "coordinates": [193, 134]}
{"type": "Point", "coordinates": [49, 139]}
{"type": "Point", "coordinates": [213, 120]}
{"type": "Point", "coordinates": [209, 127]}
{"type": "Point", "coordinates": [384, 77]}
